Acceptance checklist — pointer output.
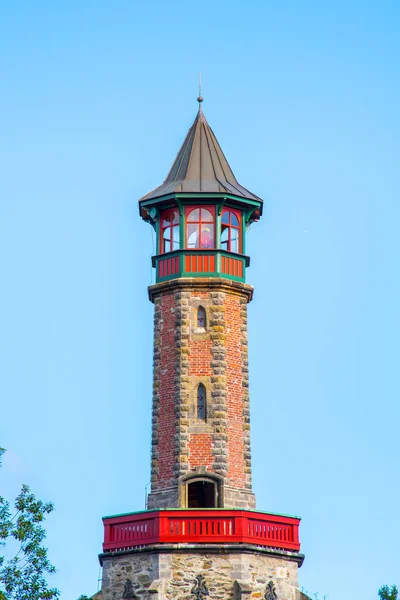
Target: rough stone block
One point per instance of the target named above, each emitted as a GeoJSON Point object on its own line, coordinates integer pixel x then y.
{"type": "Point", "coordinates": [228, 573]}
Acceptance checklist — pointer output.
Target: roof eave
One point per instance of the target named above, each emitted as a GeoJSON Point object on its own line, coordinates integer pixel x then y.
{"type": "Point", "coordinates": [190, 197]}
{"type": "Point", "coordinates": [197, 195]}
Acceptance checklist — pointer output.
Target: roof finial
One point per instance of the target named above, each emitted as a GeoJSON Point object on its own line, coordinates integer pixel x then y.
{"type": "Point", "coordinates": [200, 98]}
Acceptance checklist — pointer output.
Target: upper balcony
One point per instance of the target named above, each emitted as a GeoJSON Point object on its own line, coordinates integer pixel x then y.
{"type": "Point", "coordinates": [200, 263]}
{"type": "Point", "coordinates": [201, 526]}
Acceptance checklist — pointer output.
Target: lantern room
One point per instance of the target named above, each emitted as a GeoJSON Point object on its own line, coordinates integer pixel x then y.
{"type": "Point", "coordinates": [200, 213]}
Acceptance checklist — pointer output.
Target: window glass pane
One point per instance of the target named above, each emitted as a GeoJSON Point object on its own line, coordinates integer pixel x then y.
{"type": "Point", "coordinates": [206, 215]}
{"type": "Point", "coordinates": [224, 237]}
{"type": "Point", "coordinates": [201, 402]}
{"type": "Point", "coordinates": [201, 317]}
{"type": "Point", "coordinates": [167, 241]}
{"type": "Point", "coordinates": [207, 236]}
{"type": "Point", "coordinates": [194, 215]}
{"type": "Point", "coordinates": [225, 217]}
{"type": "Point", "coordinates": [175, 237]}
{"type": "Point", "coordinates": [234, 219]}
{"type": "Point", "coordinates": [234, 240]}
{"type": "Point", "coordinates": [175, 218]}
{"type": "Point", "coordinates": [193, 236]}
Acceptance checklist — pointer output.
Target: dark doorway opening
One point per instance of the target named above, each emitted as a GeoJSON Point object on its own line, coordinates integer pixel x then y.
{"type": "Point", "coordinates": [201, 494]}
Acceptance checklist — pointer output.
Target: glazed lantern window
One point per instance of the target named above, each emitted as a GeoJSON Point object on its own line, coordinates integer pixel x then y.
{"type": "Point", "coordinates": [200, 228]}
{"type": "Point", "coordinates": [230, 231]}
{"type": "Point", "coordinates": [170, 230]}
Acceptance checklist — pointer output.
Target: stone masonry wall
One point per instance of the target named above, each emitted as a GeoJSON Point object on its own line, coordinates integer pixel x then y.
{"type": "Point", "coordinates": [227, 575]}
{"type": "Point", "coordinates": [186, 355]}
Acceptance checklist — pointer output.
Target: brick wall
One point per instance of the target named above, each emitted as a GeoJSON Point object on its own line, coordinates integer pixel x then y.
{"type": "Point", "coordinates": [186, 355]}
{"type": "Point", "coordinates": [165, 387]}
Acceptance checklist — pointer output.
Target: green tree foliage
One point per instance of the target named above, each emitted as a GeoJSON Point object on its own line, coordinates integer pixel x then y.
{"type": "Point", "coordinates": [22, 577]}
{"type": "Point", "coordinates": [386, 593]}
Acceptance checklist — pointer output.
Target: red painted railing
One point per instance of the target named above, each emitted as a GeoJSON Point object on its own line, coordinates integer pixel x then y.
{"type": "Point", "coordinates": [201, 526]}
{"type": "Point", "coordinates": [168, 266]}
{"type": "Point", "coordinates": [200, 263]}
{"type": "Point", "coordinates": [232, 266]}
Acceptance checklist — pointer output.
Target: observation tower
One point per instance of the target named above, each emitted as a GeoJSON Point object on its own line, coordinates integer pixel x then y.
{"type": "Point", "coordinates": [201, 535]}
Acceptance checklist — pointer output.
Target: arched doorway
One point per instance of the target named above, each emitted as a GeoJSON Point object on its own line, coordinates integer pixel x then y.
{"type": "Point", "coordinates": [201, 490]}
{"type": "Point", "coordinates": [201, 494]}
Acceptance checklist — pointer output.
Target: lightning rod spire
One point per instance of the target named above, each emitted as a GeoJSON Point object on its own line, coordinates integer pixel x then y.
{"type": "Point", "coordinates": [200, 97]}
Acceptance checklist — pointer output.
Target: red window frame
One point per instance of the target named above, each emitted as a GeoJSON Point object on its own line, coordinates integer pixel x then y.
{"type": "Point", "coordinates": [229, 226]}
{"type": "Point", "coordinates": [169, 212]}
{"type": "Point", "coordinates": [199, 222]}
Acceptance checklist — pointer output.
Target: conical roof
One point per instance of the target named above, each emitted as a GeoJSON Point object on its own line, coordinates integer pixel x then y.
{"type": "Point", "coordinates": [201, 167]}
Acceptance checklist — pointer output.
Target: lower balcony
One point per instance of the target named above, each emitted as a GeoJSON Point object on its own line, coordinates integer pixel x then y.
{"type": "Point", "coordinates": [197, 526]}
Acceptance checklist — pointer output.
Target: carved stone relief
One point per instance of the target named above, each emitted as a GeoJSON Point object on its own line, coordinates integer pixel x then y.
{"type": "Point", "coordinates": [270, 594]}
{"type": "Point", "coordinates": [200, 590]}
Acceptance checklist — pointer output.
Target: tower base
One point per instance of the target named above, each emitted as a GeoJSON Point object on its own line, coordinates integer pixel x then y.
{"type": "Point", "coordinates": [189, 571]}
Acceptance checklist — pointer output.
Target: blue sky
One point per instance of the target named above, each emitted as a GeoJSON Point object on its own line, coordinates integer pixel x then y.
{"type": "Point", "coordinates": [95, 100]}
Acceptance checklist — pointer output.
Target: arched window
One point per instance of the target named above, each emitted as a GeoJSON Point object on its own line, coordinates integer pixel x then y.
{"type": "Point", "coordinates": [230, 231]}
{"type": "Point", "coordinates": [201, 402]}
{"type": "Point", "coordinates": [200, 228]}
{"type": "Point", "coordinates": [201, 317]}
{"type": "Point", "coordinates": [169, 230]}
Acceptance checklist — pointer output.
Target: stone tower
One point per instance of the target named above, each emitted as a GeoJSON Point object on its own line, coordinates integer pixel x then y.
{"type": "Point", "coordinates": [200, 535]}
